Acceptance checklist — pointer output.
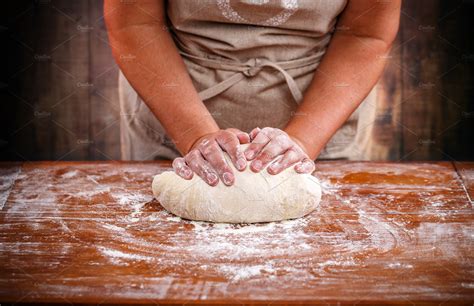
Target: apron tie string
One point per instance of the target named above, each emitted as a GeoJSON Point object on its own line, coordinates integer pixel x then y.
{"type": "Point", "coordinates": [250, 69]}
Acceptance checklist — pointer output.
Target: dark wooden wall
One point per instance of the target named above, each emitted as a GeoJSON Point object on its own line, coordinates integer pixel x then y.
{"type": "Point", "coordinates": [59, 84]}
{"type": "Point", "coordinates": [61, 88]}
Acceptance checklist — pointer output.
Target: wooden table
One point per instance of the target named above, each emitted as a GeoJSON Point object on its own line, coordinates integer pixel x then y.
{"type": "Point", "coordinates": [90, 232]}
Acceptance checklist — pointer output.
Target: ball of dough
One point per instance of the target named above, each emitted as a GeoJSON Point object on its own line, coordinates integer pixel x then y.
{"type": "Point", "coordinates": [254, 197]}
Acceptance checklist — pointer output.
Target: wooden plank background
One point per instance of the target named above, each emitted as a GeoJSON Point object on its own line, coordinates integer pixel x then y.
{"type": "Point", "coordinates": [59, 84]}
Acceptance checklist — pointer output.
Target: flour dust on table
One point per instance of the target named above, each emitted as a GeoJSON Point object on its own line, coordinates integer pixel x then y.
{"type": "Point", "coordinates": [254, 197]}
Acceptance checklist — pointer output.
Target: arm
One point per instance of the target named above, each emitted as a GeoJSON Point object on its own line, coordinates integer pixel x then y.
{"type": "Point", "coordinates": [138, 31]}
{"type": "Point", "coordinates": [352, 65]}
{"type": "Point", "coordinates": [348, 71]}
{"type": "Point", "coordinates": [148, 57]}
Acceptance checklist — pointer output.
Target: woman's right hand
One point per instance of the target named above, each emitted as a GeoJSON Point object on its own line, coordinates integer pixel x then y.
{"type": "Point", "coordinates": [206, 157]}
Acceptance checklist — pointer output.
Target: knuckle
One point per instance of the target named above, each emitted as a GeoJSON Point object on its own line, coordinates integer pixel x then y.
{"type": "Point", "coordinates": [261, 139]}
{"type": "Point", "coordinates": [272, 147]}
{"type": "Point", "coordinates": [231, 143]}
{"type": "Point", "coordinates": [208, 174]}
{"type": "Point", "coordinates": [206, 151]}
{"type": "Point", "coordinates": [291, 157]}
{"type": "Point", "coordinates": [191, 155]}
{"type": "Point", "coordinates": [290, 160]}
{"type": "Point", "coordinates": [223, 137]}
{"type": "Point", "coordinates": [209, 150]}
{"type": "Point", "coordinates": [203, 169]}
{"type": "Point", "coordinates": [266, 130]}
{"type": "Point", "coordinates": [281, 139]}
{"type": "Point", "coordinates": [239, 153]}
{"type": "Point", "coordinates": [195, 165]}
{"type": "Point", "coordinates": [204, 172]}
{"type": "Point", "coordinates": [265, 155]}
{"type": "Point", "coordinates": [222, 165]}
{"type": "Point", "coordinates": [233, 148]}
{"type": "Point", "coordinates": [255, 147]}
{"type": "Point", "coordinates": [217, 161]}
{"type": "Point", "coordinates": [231, 137]}
{"type": "Point", "coordinates": [297, 152]}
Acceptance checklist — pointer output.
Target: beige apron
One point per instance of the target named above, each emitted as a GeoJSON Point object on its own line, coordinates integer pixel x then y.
{"type": "Point", "coordinates": [251, 62]}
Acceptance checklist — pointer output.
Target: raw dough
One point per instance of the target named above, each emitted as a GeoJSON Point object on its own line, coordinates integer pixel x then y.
{"type": "Point", "coordinates": [254, 197]}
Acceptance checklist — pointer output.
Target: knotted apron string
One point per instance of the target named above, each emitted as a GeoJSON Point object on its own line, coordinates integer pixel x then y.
{"type": "Point", "coordinates": [251, 68]}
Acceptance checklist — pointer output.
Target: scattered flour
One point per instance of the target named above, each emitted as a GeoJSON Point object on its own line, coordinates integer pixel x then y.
{"type": "Point", "coordinates": [237, 273]}
{"type": "Point", "coordinates": [398, 265]}
{"type": "Point", "coordinates": [127, 228]}
{"type": "Point", "coordinates": [70, 174]}
{"type": "Point", "coordinates": [7, 179]}
{"type": "Point", "coordinates": [119, 254]}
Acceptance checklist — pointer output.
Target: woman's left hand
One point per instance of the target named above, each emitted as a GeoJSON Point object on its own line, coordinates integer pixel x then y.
{"type": "Point", "coordinates": [268, 143]}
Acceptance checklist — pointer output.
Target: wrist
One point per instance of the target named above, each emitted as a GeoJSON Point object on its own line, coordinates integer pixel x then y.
{"type": "Point", "coordinates": [310, 150]}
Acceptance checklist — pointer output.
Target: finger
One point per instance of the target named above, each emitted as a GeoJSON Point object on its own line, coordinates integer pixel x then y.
{"type": "Point", "coordinates": [181, 169]}
{"type": "Point", "coordinates": [242, 136]}
{"type": "Point", "coordinates": [201, 167]}
{"type": "Point", "coordinates": [290, 158]}
{"type": "Point", "coordinates": [231, 145]}
{"type": "Point", "coordinates": [257, 144]}
{"type": "Point", "coordinates": [305, 166]}
{"type": "Point", "coordinates": [254, 133]}
{"type": "Point", "coordinates": [278, 145]}
{"type": "Point", "coordinates": [214, 155]}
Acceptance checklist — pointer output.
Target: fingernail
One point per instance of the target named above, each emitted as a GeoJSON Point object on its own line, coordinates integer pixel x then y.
{"type": "Point", "coordinates": [212, 178]}
{"type": "Point", "coordinates": [249, 154]}
{"type": "Point", "coordinates": [187, 172]}
{"type": "Point", "coordinates": [257, 165]}
{"type": "Point", "coordinates": [274, 166]}
{"type": "Point", "coordinates": [227, 177]}
{"type": "Point", "coordinates": [300, 166]}
{"type": "Point", "coordinates": [241, 163]}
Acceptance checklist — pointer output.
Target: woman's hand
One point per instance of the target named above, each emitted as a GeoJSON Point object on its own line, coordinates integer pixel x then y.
{"type": "Point", "coordinates": [206, 157]}
{"type": "Point", "coordinates": [268, 143]}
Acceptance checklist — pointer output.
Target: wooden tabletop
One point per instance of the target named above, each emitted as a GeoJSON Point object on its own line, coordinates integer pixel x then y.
{"type": "Point", "coordinates": [91, 232]}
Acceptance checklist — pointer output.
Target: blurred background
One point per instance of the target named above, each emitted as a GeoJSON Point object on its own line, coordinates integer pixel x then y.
{"type": "Point", "coordinates": [59, 98]}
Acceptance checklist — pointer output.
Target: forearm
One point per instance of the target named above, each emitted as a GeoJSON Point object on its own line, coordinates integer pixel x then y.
{"type": "Point", "coordinates": [150, 60]}
{"type": "Point", "coordinates": [347, 73]}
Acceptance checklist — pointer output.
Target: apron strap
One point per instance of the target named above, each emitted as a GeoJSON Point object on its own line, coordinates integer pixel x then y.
{"type": "Point", "coordinates": [249, 69]}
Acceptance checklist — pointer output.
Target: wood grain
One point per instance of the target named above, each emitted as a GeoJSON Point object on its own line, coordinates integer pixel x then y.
{"type": "Point", "coordinates": [104, 130]}
{"type": "Point", "coordinates": [386, 142]}
{"type": "Point", "coordinates": [420, 68]}
{"type": "Point", "coordinates": [92, 233]}
{"type": "Point", "coordinates": [466, 172]}
{"type": "Point", "coordinates": [62, 84]}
